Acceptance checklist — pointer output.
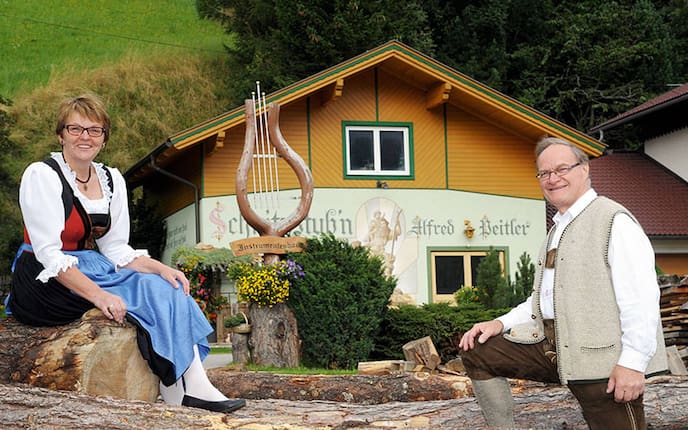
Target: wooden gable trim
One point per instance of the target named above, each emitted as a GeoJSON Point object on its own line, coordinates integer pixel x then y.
{"type": "Point", "coordinates": [438, 95]}
{"type": "Point", "coordinates": [332, 91]}
{"type": "Point", "coordinates": [461, 85]}
{"type": "Point", "coordinates": [218, 142]}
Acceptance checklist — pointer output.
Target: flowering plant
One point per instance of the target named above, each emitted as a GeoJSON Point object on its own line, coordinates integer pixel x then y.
{"type": "Point", "coordinates": [201, 288]}
{"type": "Point", "coordinates": [265, 284]}
{"type": "Point", "coordinates": [467, 295]}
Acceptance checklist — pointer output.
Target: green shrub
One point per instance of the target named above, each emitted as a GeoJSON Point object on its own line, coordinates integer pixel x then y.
{"type": "Point", "coordinates": [493, 288]}
{"type": "Point", "coordinates": [339, 303]}
{"type": "Point", "coordinates": [467, 297]}
{"type": "Point", "coordinates": [445, 324]}
{"type": "Point", "coordinates": [525, 277]}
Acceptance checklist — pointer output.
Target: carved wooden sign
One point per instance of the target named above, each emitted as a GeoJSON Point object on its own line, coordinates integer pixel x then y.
{"type": "Point", "coordinates": [268, 245]}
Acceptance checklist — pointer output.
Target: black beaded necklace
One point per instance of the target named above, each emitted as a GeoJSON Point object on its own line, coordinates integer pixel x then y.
{"type": "Point", "coordinates": [87, 179]}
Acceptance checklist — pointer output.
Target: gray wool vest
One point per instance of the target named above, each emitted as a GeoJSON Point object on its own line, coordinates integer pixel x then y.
{"type": "Point", "coordinates": [587, 321]}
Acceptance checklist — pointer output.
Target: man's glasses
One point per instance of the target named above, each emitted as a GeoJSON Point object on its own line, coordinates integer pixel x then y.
{"type": "Point", "coordinates": [544, 175]}
{"type": "Point", "coordinates": [76, 130]}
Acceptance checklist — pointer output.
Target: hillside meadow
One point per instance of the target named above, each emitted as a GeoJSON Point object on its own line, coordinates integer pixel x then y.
{"type": "Point", "coordinates": [42, 38]}
{"type": "Point", "coordinates": [157, 65]}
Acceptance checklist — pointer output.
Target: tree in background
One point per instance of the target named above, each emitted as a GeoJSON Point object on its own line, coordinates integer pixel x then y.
{"type": "Point", "coordinates": [581, 62]}
{"type": "Point", "coordinates": [525, 277]}
{"type": "Point", "coordinates": [147, 226]}
{"type": "Point", "coordinates": [10, 233]}
{"type": "Point", "coordinates": [493, 288]}
{"type": "Point", "coordinates": [281, 42]}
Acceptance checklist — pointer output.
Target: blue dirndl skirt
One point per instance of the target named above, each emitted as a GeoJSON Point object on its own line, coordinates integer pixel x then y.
{"type": "Point", "coordinates": [168, 321]}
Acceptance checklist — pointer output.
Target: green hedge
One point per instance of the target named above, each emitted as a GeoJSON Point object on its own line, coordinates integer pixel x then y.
{"type": "Point", "coordinates": [443, 323]}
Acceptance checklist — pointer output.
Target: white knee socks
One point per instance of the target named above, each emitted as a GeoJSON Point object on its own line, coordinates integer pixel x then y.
{"type": "Point", "coordinates": [194, 382]}
{"type": "Point", "coordinates": [197, 384]}
{"type": "Point", "coordinates": [173, 394]}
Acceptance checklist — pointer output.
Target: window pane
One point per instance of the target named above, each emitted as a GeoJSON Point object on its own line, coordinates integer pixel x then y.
{"type": "Point", "coordinates": [361, 150]}
{"type": "Point", "coordinates": [392, 150]}
{"type": "Point", "coordinates": [448, 273]}
{"type": "Point", "coordinates": [475, 260]}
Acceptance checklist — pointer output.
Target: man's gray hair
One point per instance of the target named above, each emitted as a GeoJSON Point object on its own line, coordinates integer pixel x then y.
{"type": "Point", "coordinates": [546, 142]}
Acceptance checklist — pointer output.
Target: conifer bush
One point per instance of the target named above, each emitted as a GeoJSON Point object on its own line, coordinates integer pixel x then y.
{"type": "Point", "coordinates": [339, 303]}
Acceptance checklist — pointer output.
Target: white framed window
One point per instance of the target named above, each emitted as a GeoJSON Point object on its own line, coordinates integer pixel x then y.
{"type": "Point", "coordinates": [450, 270]}
{"type": "Point", "coordinates": [377, 150]}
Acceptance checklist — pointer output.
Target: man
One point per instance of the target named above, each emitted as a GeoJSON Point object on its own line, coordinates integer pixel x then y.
{"type": "Point", "coordinates": [592, 321]}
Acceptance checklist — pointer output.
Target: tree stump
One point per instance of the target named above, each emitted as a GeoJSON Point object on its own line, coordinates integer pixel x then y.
{"type": "Point", "coordinates": [274, 336]}
{"type": "Point", "coordinates": [93, 355]}
{"type": "Point", "coordinates": [241, 354]}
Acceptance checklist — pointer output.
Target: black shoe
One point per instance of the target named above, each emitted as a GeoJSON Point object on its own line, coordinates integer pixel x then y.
{"type": "Point", "coordinates": [222, 406]}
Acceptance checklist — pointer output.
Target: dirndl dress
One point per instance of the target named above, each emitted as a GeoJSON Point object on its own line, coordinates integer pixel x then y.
{"type": "Point", "coordinates": [168, 322]}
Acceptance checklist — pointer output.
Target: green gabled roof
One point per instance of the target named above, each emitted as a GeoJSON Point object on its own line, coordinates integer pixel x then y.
{"type": "Point", "coordinates": [491, 103]}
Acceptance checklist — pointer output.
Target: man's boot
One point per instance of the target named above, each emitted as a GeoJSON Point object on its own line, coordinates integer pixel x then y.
{"type": "Point", "coordinates": [496, 402]}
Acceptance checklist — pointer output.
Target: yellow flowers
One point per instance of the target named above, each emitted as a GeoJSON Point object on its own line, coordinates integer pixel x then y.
{"type": "Point", "coordinates": [265, 285]}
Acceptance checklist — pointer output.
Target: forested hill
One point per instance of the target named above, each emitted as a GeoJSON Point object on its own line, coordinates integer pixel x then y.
{"type": "Point", "coordinates": [163, 65]}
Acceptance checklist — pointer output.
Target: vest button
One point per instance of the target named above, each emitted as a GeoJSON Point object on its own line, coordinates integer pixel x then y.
{"type": "Point", "coordinates": [533, 316]}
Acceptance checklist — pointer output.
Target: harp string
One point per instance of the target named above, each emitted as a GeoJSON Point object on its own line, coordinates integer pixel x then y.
{"type": "Point", "coordinates": [264, 163]}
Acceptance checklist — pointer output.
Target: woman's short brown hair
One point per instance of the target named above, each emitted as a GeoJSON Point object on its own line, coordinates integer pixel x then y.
{"type": "Point", "coordinates": [86, 105]}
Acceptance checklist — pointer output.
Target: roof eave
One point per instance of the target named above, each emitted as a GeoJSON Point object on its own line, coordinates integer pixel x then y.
{"type": "Point", "coordinates": [637, 115]}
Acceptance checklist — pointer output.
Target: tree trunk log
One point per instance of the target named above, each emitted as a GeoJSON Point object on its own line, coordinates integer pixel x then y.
{"type": "Point", "coordinates": [404, 387]}
{"type": "Point", "coordinates": [93, 355]}
{"type": "Point", "coordinates": [538, 406]}
{"type": "Point", "coordinates": [274, 336]}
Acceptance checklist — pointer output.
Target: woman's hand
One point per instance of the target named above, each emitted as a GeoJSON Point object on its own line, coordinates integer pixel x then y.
{"type": "Point", "coordinates": [112, 306]}
{"type": "Point", "coordinates": [175, 277]}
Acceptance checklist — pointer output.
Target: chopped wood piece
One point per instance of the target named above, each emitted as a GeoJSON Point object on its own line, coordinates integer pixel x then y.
{"type": "Point", "coordinates": [384, 367]}
{"type": "Point", "coordinates": [422, 351]}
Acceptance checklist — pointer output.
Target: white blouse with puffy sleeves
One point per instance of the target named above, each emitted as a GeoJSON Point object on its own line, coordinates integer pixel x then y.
{"type": "Point", "coordinates": [40, 200]}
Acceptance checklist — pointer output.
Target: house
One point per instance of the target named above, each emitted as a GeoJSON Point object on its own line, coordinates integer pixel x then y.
{"type": "Point", "coordinates": [426, 166]}
{"type": "Point", "coordinates": [652, 182]}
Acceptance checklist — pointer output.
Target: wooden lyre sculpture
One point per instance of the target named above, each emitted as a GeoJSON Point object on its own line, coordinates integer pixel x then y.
{"type": "Point", "coordinates": [274, 334]}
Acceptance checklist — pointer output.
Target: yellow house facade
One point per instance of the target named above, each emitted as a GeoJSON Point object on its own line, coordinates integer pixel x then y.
{"type": "Point", "coordinates": [424, 165]}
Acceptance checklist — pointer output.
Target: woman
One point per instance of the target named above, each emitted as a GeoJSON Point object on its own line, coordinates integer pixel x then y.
{"type": "Point", "coordinates": [76, 256]}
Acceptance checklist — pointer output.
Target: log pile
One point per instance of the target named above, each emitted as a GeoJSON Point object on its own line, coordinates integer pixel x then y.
{"type": "Point", "coordinates": [92, 355]}
{"type": "Point", "coordinates": [674, 312]}
{"type": "Point", "coordinates": [539, 406]}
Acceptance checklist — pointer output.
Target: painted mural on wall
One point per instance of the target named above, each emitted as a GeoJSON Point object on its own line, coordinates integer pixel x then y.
{"type": "Point", "coordinates": [401, 226]}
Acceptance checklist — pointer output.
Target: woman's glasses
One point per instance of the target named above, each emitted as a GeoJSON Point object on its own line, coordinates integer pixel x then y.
{"type": "Point", "coordinates": [76, 130]}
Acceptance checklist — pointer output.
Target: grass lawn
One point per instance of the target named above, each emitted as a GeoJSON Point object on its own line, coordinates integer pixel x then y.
{"type": "Point", "coordinates": [41, 37]}
{"type": "Point", "coordinates": [221, 350]}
